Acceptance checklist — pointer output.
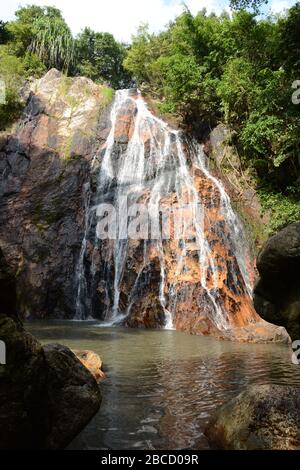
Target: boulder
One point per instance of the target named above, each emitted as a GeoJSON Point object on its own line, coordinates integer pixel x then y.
{"type": "Point", "coordinates": [263, 417]}
{"type": "Point", "coordinates": [8, 296]}
{"type": "Point", "coordinates": [277, 292]}
{"type": "Point", "coordinates": [73, 396]}
{"type": "Point", "coordinates": [46, 395]}
{"type": "Point", "coordinates": [91, 361]}
{"type": "Point", "coordinates": [22, 389]}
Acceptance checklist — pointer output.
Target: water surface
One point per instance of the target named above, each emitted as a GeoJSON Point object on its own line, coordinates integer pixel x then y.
{"type": "Point", "coordinates": [163, 386]}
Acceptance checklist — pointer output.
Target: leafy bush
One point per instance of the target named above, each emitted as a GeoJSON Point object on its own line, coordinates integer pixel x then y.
{"type": "Point", "coordinates": [239, 70]}
{"type": "Point", "coordinates": [33, 66]}
{"type": "Point", "coordinates": [100, 57]}
{"type": "Point", "coordinates": [284, 208]}
{"type": "Point", "coordinates": [11, 72]}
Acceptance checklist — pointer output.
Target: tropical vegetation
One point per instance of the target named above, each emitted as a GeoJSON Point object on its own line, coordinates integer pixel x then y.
{"type": "Point", "coordinates": [241, 69]}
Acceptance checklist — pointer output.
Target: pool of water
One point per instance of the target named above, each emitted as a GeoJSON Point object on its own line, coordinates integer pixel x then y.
{"type": "Point", "coordinates": [163, 386]}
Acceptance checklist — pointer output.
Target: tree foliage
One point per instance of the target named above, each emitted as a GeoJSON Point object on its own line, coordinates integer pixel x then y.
{"type": "Point", "coordinates": [100, 57]}
{"type": "Point", "coordinates": [247, 4]}
{"type": "Point", "coordinates": [4, 34]}
{"type": "Point", "coordinates": [52, 40]}
{"type": "Point", "coordinates": [11, 72]}
{"type": "Point", "coordinates": [237, 70]}
{"type": "Point", "coordinates": [205, 69]}
{"type": "Point", "coordinates": [21, 31]}
{"type": "Point", "coordinates": [41, 37]}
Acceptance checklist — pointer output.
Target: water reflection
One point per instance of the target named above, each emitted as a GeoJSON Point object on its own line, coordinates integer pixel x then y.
{"type": "Point", "coordinates": [163, 386]}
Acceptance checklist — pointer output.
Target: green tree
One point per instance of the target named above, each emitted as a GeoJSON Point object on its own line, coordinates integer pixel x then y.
{"type": "Point", "coordinates": [288, 50]}
{"type": "Point", "coordinates": [53, 42]}
{"type": "Point", "coordinates": [100, 57]}
{"type": "Point", "coordinates": [235, 90]}
{"type": "Point", "coordinates": [21, 30]}
{"type": "Point", "coordinates": [244, 4]}
{"type": "Point", "coordinates": [41, 31]}
{"type": "Point", "coordinates": [4, 34]}
{"type": "Point", "coordinates": [12, 73]}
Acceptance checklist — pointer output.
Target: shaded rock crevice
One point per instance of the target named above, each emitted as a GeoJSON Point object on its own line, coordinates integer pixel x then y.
{"type": "Point", "coordinates": [277, 292]}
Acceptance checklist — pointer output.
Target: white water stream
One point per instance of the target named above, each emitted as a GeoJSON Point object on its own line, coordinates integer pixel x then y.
{"type": "Point", "coordinates": [156, 166]}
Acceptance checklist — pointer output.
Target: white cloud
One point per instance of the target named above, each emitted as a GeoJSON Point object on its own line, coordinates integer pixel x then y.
{"type": "Point", "coordinates": [119, 17]}
{"type": "Point", "coordinates": [278, 6]}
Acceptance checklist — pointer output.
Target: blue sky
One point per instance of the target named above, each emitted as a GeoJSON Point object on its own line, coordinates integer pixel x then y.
{"type": "Point", "coordinates": [122, 17]}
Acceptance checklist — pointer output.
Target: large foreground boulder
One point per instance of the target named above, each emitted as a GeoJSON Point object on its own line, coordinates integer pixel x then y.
{"type": "Point", "coordinates": [73, 395]}
{"type": "Point", "coordinates": [46, 395]}
{"type": "Point", "coordinates": [277, 293]}
{"type": "Point", "coordinates": [262, 417]}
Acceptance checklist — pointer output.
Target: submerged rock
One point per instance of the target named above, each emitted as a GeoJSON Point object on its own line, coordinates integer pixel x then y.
{"type": "Point", "coordinates": [264, 417]}
{"type": "Point", "coordinates": [91, 361]}
{"type": "Point", "coordinates": [277, 293]}
{"type": "Point", "coordinates": [46, 395]}
{"type": "Point", "coordinates": [258, 332]}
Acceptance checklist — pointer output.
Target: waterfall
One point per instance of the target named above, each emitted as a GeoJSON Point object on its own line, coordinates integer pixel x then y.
{"type": "Point", "coordinates": [145, 170]}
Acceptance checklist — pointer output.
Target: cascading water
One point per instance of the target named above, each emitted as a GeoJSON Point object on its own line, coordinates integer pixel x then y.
{"type": "Point", "coordinates": [146, 279]}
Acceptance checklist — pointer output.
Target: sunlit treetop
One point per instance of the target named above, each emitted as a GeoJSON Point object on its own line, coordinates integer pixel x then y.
{"type": "Point", "coordinates": [247, 4]}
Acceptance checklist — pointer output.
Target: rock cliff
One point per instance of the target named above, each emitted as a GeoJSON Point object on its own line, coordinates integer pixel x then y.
{"type": "Point", "coordinates": [43, 168]}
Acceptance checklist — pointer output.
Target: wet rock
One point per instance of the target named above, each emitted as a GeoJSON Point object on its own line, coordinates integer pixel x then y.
{"type": "Point", "coordinates": [91, 361]}
{"type": "Point", "coordinates": [73, 396]}
{"type": "Point", "coordinates": [148, 293]}
{"type": "Point", "coordinates": [22, 385]}
{"type": "Point", "coordinates": [259, 332]}
{"type": "Point", "coordinates": [8, 295]}
{"type": "Point", "coordinates": [226, 162]}
{"type": "Point", "coordinates": [264, 417]}
{"type": "Point", "coordinates": [46, 395]}
{"type": "Point", "coordinates": [277, 292]}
